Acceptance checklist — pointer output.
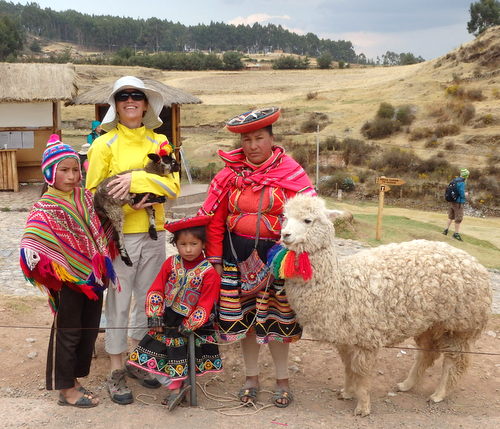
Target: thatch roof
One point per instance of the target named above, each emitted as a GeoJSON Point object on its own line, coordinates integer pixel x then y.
{"type": "Point", "coordinates": [21, 82]}
{"type": "Point", "coordinates": [100, 93]}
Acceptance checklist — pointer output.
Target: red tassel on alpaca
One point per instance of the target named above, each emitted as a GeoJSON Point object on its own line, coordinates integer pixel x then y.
{"type": "Point", "coordinates": [289, 265]}
{"type": "Point", "coordinates": [304, 266]}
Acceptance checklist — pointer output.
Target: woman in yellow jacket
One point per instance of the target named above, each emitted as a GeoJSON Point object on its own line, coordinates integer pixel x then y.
{"type": "Point", "coordinates": [132, 116]}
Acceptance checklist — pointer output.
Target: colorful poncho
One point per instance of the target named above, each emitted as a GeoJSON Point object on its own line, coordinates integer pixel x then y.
{"type": "Point", "coordinates": [64, 243]}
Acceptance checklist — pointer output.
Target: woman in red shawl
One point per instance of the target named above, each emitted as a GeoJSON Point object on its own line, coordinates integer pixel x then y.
{"type": "Point", "coordinates": [257, 174]}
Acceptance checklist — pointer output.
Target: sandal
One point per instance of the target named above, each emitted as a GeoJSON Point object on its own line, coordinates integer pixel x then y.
{"type": "Point", "coordinates": [174, 400]}
{"type": "Point", "coordinates": [248, 392]}
{"type": "Point", "coordinates": [282, 394]}
{"type": "Point", "coordinates": [85, 401]}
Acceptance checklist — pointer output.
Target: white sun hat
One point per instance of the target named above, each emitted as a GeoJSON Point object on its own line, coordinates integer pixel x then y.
{"type": "Point", "coordinates": [151, 118]}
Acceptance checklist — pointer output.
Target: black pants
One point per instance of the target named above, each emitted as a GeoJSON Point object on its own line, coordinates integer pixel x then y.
{"type": "Point", "coordinates": [72, 338]}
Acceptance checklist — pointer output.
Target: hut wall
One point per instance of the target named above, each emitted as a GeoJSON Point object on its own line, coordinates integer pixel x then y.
{"type": "Point", "coordinates": [26, 115]}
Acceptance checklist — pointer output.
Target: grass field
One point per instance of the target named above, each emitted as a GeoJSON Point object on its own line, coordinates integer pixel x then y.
{"type": "Point", "coordinates": [481, 236]}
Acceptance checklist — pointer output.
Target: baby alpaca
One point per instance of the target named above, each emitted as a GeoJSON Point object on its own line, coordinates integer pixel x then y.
{"type": "Point", "coordinates": [429, 291]}
{"type": "Point", "coordinates": [109, 208]}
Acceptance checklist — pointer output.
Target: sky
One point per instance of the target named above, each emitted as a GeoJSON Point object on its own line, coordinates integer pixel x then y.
{"type": "Point", "coordinates": [429, 28]}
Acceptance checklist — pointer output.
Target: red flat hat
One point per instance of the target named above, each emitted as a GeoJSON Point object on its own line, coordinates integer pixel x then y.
{"type": "Point", "coordinates": [253, 120]}
{"type": "Point", "coordinates": [187, 222]}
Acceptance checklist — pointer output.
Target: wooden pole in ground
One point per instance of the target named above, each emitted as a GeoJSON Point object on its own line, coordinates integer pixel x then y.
{"type": "Point", "coordinates": [382, 190]}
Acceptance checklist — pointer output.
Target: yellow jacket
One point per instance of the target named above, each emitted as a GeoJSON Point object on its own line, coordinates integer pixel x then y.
{"type": "Point", "coordinates": [123, 149]}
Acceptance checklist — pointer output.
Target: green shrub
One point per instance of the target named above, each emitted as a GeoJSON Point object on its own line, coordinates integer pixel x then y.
{"type": "Point", "coordinates": [380, 128]}
{"type": "Point", "coordinates": [385, 110]}
{"type": "Point", "coordinates": [324, 61]}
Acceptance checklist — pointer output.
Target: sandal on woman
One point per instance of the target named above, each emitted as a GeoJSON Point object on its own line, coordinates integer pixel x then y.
{"type": "Point", "coordinates": [175, 399]}
{"type": "Point", "coordinates": [250, 393]}
{"type": "Point", "coordinates": [284, 396]}
{"type": "Point", "coordinates": [85, 401]}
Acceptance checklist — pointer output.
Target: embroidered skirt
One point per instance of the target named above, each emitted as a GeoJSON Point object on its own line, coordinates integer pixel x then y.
{"type": "Point", "coordinates": [166, 353]}
{"type": "Point", "coordinates": [268, 312]}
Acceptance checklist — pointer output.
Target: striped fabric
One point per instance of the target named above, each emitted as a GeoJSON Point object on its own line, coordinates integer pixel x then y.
{"type": "Point", "coordinates": [63, 242]}
{"type": "Point", "coordinates": [274, 318]}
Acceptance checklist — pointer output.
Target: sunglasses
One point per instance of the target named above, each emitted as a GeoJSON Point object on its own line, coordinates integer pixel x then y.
{"type": "Point", "coordinates": [136, 96]}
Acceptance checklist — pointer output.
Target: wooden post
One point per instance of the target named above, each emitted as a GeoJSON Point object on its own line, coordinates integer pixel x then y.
{"type": "Point", "coordinates": [382, 190]}
{"type": "Point", "coordinates": [384, 183]}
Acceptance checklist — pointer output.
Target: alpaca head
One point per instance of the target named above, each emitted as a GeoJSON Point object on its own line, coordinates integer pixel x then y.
{"type": "Point", "coordinates": [162, 165]}
{"type": "Point", "coordinates": [307, 226]}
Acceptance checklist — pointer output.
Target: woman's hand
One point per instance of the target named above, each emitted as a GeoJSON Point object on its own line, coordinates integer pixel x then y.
{"type": "Point", "coordinates": [119, 187]}
{"type": "Point", "coordinates": [157, 329]}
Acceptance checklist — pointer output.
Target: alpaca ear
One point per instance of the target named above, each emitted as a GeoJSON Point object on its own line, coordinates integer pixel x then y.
{"type": "Point", "coordinates": [154, 157]}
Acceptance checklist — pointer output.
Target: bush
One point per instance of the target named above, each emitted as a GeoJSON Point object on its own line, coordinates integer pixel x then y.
{"type": "Point", "coordinates": [385, 110]}
{"type": "Point", "coordinates": [432, 143]}
{"type": "Point", "coordinates": [304, 155]}
{"type": "Point", "coordinates": [395, 160]}
{"type": "Point", "coordinates": [449, 146]}
{"type": "Point", "coordinates": [289, 62]}
{"type": "Point", "coordinates": [446, 130]}
{"type": "Point", "coordinates": [309, 126]}
{"type": "Point", "coordinates": [455, 91]}
{"type": "Point", "coordinates": [311, 95]}
{"type": "Point", "coordinates": [468, 112]}
{"type": "Point", "coordinates": [474, 94]}
{"type": "Point", "coordinates": [356, 152]}
{"type": "Point", "coordinates": [232, 60]}
{"type": "Point", "coordinates": [324, 61]}
{"type": "Point", "coordinates": [421, 133]}
{"type": "Point", "coordinates": [380, 128]}
{"type": "Point", "coordinates": [405, 115]}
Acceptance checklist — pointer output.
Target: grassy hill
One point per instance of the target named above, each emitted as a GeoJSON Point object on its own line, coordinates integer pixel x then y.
{"type": "Point", "coordinates": [458, 93]}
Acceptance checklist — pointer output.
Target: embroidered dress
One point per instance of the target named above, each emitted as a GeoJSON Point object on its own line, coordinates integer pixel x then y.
{"type": "Point", "coordinates": [184, 293]}
{"type": "Point", "coordinates": [233, 199]}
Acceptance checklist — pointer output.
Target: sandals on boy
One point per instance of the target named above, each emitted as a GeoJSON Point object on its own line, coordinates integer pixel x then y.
{"type": "Point", "coordinates": [282, 395]}
{"type": "Point", "coordinates": [85, 401]}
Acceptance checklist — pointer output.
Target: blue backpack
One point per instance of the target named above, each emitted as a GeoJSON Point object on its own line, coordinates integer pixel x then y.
{"type": "Point", "coordinates": [451, 194]}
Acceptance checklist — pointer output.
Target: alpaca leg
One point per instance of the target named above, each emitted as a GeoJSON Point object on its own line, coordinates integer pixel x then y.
{"type": "Point", "coordinates": [152, 223]}
{"type": "Point", "coordinates": [423, 360]}
{"type": "Point", "coordinates": [347, 392]}
{"type": "Point", "coordinates": [454, 366]}
{"type": "Point", "coordinates": [362, 362]}
{"type": "Point", "coordinates": [120, 239]}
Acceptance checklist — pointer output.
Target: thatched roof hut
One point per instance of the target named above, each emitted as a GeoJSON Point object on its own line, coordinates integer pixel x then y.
{"type": "Point", "coordinates": [37, 82]}
{"type": "Point", "coordinates": [100, 93]}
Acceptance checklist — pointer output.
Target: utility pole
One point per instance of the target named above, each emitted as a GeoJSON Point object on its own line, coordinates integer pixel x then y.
{"type": "Point", "coordinates": [317, 156]}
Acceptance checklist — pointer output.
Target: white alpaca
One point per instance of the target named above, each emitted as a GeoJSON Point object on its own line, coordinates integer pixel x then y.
{"type": "Point", "coordinates": [433, 292]}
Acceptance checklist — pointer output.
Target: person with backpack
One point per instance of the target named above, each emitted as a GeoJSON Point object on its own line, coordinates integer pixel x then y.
{"type": "Point", "coordinates": [456, 196]}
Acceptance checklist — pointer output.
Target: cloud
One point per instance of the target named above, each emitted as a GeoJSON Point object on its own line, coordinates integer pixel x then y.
{"type": "Point", "coordinates": [256, 17]}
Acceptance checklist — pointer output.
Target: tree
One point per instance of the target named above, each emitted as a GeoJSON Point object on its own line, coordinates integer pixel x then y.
{"type": "Point", "coordinates": [11, 37]}
{"type": "Point", "coordinates": [483, 14]}
{"type": "Point", "coordinates": [232, 60]}
{"type": "Point", "coordinates": [324, 60]}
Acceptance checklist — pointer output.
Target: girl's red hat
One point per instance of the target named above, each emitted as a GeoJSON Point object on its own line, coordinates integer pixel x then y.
{"type": "Point", "coordinates": [253, 120]}
{"type": "Point", "coordinates": [187, 222]}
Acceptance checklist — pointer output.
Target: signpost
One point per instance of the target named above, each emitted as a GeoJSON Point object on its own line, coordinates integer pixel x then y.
{"type": "Point", "coordinates": [384, 183]}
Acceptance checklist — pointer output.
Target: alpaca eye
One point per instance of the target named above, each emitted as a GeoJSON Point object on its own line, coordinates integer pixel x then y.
{"type": "Point", "coordinates": [308, 221]}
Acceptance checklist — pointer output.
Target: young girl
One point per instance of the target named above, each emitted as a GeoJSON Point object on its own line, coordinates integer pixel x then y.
{"type": "Point", "coordinates": [64, 252]}
{"type": "Point", "coordinates": [179, 301]}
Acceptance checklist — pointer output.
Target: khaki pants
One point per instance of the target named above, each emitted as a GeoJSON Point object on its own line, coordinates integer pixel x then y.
{"type": "Point", "coordinates": [147, 256]}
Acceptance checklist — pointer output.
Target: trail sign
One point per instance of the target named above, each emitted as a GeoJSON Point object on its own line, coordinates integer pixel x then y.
{"type": "Point", "coordinates": [382, 180]}
{"type": "Point", "coordinates": [384, 183]}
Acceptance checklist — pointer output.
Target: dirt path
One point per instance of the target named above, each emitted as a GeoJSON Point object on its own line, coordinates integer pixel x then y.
{"type": "Point", "coordinates": [316, 374]}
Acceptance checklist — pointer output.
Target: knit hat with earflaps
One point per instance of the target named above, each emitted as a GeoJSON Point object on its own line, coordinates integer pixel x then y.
{"type": "Point", "coordinates": [56, 151]}
{"type": "Point", "coordinates": [151, 118]}
{"type": "Point", "coordinates": [464, 173]}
